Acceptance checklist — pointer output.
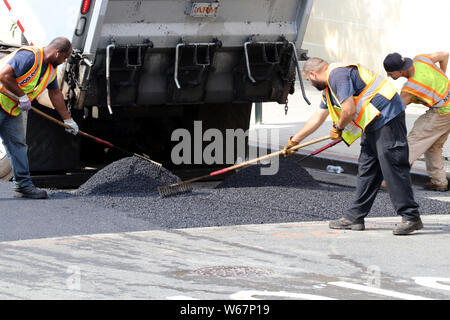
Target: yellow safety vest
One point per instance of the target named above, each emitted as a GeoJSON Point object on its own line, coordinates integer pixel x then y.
{"type": "Point", "coordinates": [28, 82]}
{"type": "Point", "coordinates": [429, 85]}
{"type": "Point", "coordinates": [366, 112]}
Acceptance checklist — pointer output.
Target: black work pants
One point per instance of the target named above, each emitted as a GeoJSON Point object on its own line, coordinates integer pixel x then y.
{"type": "Point", "coordinates": [384, 154]}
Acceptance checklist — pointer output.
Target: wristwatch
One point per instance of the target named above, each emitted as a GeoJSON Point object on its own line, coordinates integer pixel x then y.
{"type": "Point", "coordinates": [337, 128]}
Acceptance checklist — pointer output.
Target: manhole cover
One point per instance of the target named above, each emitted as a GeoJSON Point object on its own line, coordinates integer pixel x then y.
{"type": "Point", "coordinates": [229, 271]}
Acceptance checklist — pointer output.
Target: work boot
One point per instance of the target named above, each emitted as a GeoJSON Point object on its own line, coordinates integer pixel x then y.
{"type": "Point", "coordinates": [30, 192]}
{"type": "Point", "coordinates": [434, 187]}
{"type": "Point", "coordinates": [383, 185]}
{"type": "Point", "coordinates": [406, 227]}
{"type": "Point", "coordinates": [344, 223]}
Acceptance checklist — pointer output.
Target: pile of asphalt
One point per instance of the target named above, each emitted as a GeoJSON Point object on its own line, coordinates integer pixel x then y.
{"type": "Point", "coordinates": [127, 176]}
{"type": "Point", "coordinates": [289, 174]}
{"type": "Point", "coordinates": [245, 198]}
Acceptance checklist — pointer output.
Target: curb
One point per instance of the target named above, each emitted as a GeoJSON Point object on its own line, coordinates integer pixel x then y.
{"type": "Point", "coordinates": [350, 166]}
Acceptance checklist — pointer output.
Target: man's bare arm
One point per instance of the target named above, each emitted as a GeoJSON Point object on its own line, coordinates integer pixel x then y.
{"type": "Point", "coordinates": [441, 58]}
{"type": "Point", "coordinates": [57, 99]}
{"type": "Point", "coordinates": [8, 79]}
{"type": "Point", "coordinates": [348, 112]}
{"type": "Point", "coordinates": [312, 124]}
{"type": "Point", "coordinates": [406, 97]}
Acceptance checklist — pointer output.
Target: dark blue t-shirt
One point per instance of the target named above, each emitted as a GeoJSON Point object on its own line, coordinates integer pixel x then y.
{"type": "Point", "coordinates": [23, 61]}
{"type": "Point", "coordinates": [346, 82]}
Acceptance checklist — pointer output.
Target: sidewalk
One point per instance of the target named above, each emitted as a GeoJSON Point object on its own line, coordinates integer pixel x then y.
{"type": "Point", "coordinates": [275, 121]}
{"type": "Point", "coordinates": [302, 261]}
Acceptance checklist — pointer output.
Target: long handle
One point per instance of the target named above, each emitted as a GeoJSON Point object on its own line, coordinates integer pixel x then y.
{"type": "Point", "coordinates": [43, 114]}
{"type": "Point", "coordinates": [271, 155]}
{"type": "Point", "coordinates": [87, 135]}
{"type": "Point", "coordinates": [256, 160]}
{"type": "Point", "coordinates": [335, 142]}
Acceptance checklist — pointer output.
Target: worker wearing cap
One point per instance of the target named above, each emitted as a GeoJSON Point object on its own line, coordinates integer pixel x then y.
{"type": "Point", "coordinates": [364, 104]}
{"type": "Point", "coordinates": [24, 75]}
{"type": "Point", "coordinates": [428, 85]}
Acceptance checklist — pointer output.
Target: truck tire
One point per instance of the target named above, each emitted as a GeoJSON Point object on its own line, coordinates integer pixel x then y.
{"type": "Point", "coordinates": [6, 172]}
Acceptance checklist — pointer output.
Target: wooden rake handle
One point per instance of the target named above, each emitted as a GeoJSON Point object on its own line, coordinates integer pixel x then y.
{"type": "Point", "coordinates": [62, 124]}
{"type": "Point", "coordinates": [98, 140]}
{"type": "Point", "coordinates": [271, 155]}
{"type": "Point", "coordinates": [183, 186]}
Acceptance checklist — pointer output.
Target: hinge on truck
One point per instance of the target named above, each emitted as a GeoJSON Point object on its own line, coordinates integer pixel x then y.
{"type": "Point", "coordinates": [72, 76]}
{"type": "Point", "coordinates": [193, 59]}
{"type": "Point", "coordinates": [138, 56]}
{"type": "Point", "coordinates": [267, 57]}
{"type": "Point", "coordinates": [286, 107]}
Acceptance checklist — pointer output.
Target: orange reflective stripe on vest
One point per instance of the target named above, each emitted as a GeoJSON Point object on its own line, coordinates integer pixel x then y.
{"type": "Point", "coordinates": [366, 96]}
{"type": "Point", "coordinates": [48, 77]}
{"type": "Point", "coordinates": [32, 73]}
{"type": "Point", "coordinates": [365, 111]}
{"type": "Point", "coordinates": [429, 85]}
{"type": "Point", "coordinates": [427, 94]}
{"type": "Point", "coordinates": [351, 132]}
{"type": "Point", "coordinates": [429, 62]}
{"type": "Point", "coordinates": [28, 82]}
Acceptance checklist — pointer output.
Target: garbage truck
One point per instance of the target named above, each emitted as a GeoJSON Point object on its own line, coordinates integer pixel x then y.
{"type": "Point", "coordinates": [141, 69]}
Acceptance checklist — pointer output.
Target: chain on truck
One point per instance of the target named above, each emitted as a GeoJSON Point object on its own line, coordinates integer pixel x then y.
{"type": "Point", "coordinates": [142, 69]}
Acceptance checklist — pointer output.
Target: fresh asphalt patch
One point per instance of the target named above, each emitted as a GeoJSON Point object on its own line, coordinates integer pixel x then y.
{"type": "Point", "coordinates": [123, 197]}
{"type": "Point", "coordinates": [62, 214]}
{"type": "Point", "coordinates": [127, 176]}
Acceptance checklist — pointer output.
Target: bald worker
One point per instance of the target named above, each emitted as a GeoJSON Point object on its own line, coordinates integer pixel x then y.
{"type": "Point", "coordinates": [24, 75]}
{"type": "Point", "coordinates": [363, 104]}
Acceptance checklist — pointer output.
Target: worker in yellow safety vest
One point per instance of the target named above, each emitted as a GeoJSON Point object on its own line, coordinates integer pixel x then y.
{"type": "Point", "coordinates": [24, 75]}
{"type": "Point", "coordinates": [364, 104]}
{"type": "Point", "coordinates": [427, 85]}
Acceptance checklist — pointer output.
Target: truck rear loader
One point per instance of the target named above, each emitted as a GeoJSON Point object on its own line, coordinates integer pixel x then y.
{"type": "Point", "coordinates": [141, 69]}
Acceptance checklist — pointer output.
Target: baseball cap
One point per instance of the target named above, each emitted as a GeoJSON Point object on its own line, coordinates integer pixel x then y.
{"type": "Point", "coordinates": [395, 62]}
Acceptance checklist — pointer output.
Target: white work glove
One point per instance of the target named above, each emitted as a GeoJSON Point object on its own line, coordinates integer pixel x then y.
{"type": "Point", "coordinates": [73, 125]}
{"type": "Point", "coordinates": [24, 103]}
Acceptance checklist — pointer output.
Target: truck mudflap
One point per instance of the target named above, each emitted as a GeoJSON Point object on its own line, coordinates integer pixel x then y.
{"type": "Point", "coordinates": [134, 55]}
{"type": "Point", "coordinates": [267, 72]}
{"type": "Point", "coordinates": [211, 51]}
{"type": "Point", "coordinates": [262, 72]}
{"type": "Point", "coordinates": [193, 64]}
{"type": "Point", "coordinates": [264, 59]}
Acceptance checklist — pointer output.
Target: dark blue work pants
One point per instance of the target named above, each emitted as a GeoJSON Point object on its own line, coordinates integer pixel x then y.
{"type": "Point", "coordinates": [384, 155]}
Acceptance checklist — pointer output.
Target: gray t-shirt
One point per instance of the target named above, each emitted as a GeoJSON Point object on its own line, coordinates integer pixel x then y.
{"type": "Point", "coordinates": [23, 61]}
{"type": "Point", "coordinates": [346, 82]}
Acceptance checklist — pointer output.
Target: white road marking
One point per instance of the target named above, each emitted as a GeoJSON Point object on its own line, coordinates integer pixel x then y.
{"type": "Point", "coordinates": [248, 295]}
{"type": "Point", "coordinates": [180, 298]}
{"type": "Point", "coordinates": [432, 282]}
{"type": "Point", "coordinates": [379, 291]}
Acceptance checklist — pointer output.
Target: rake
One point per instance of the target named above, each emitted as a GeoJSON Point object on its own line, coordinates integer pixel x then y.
{"type": "Point", "coordinates": [155, 164]}
{"type": "Point", "coordinates": [185, 186]}
{"type": "Point", "coordinates": [335, 142]}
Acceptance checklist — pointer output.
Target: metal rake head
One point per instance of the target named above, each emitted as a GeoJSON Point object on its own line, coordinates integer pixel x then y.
{"type": "Point", "coordinates": [157, 165]}
{"type": "Point", "coordinates": [153, 163]}
{"type": "Point", "coordinates": [174, 189]}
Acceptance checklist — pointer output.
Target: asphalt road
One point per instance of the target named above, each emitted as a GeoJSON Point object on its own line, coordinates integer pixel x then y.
{"type": "Point", "coordinates": [301, 261]}
{"type": "Point", "coordinates": [292, 195]}
{"type": "Point", "coordinates": [68, 248]}
{"type": "Point", "coordinates": [60, 215]}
